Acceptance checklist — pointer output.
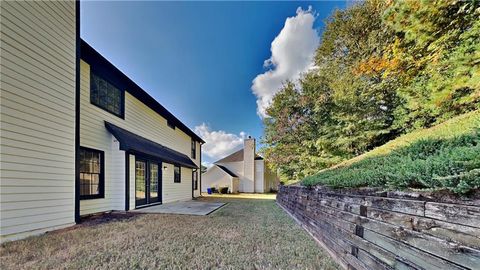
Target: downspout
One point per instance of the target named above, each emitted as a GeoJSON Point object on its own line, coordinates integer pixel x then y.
{"type": "Point", "coordinates": [200, 176]}
{"type": "Point", "coordinates": [77, 112]}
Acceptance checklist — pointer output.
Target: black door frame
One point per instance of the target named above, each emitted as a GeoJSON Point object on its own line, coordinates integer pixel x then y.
{"type": "Point", "coordinates": [146, 202]}
{"type": "Point", "coordinates": [159, 177]}
{"type": "Point", "coordinates": [142, 201]}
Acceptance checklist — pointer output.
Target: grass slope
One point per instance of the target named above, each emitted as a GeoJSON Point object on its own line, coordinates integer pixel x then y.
{"type": "Point", "coordinates": [446, 156]}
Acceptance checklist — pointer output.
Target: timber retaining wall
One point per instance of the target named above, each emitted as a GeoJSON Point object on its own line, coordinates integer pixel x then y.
{"type": "Point", "coordinates": [383, 230]}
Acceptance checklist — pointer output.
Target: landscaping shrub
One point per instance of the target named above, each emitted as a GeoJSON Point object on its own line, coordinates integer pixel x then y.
{"type": "Point", "coordinates": [444, 156]}
{"type": "Point", "coordinates": [452, 163]}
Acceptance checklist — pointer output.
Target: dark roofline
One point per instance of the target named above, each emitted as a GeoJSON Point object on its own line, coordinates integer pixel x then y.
{"type": "Point", "coordinates": [225, 159]}
{"type": "Point", "coordinates": [228, 158]}
{"type": "Point", "coordinates": [227, 170]}
{"type": "Point", "coordinates": [104, 68]}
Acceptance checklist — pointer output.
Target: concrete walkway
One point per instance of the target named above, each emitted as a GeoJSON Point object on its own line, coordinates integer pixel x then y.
{"type": "Point", "coordinates": [184, 208]}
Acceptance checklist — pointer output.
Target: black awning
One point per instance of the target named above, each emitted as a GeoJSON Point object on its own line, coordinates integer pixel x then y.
{"type": "Point", "coordinates": [134, 143]}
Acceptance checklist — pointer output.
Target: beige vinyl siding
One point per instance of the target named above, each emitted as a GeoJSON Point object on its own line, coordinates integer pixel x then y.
{"type": "Point", "coordinates": [37, 117]}
{"type": "Point", "coordinates": [172, 192]}
{"type": "Point", "coordinates": [114, 180]}
{"type": "Point", "coordinates": [139, 119]}
{"type": "Point", "coordinates": [131, 204]}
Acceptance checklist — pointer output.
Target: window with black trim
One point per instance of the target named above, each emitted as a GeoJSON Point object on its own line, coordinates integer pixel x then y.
{"type": "Point", "coordinates": [106, 96]}
{"type": "Point", "coordinates": [195, 180]}
{"type": "Point", "coordinates": [92, 165]}
{"type": "Point", "coordinates": [176, 174]}
{"type": "Point", "coordinates": [170, 124]}
{"type": "Point", "coordinates": [194, 149]}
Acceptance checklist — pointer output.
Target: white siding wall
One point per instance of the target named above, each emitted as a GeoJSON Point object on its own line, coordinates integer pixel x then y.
{"type": "Point", "coordinates": [141, 120]}
{"type": "Point", "coordinates": [37, 117]}
{"type": "Point", "coordinates": [259, 179]}
{"type": "Point", "coordinates": [215, 177]}
{"type": "Point", "coordinates": [247, 183]}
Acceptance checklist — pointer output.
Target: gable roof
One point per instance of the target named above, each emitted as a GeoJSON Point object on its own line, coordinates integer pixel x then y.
{"type": "Point", "coordinates": [226, 170]}
{"type": "Point", "coordinates": [108, 71]}
{"type": "Point", "coordinates": [236, 156]}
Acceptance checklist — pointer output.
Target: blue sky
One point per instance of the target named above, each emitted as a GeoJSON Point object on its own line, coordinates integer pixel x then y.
{"type": "Point", "coordinates": [198, 59]}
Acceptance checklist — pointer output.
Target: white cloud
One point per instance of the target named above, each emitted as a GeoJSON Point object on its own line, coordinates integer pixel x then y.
{"type": "Point", "coordinates": [218, 143]}
{"type": "Point", "coordinates": [292, 54]}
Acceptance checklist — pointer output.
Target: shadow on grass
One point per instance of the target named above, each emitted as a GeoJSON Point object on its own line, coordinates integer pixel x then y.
{"type": "Point", "coordinates": [240, 196]}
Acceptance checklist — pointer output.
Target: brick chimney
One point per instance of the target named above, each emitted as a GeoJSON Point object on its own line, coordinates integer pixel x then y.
{"type": "Point", "coordinates": [249, 164]}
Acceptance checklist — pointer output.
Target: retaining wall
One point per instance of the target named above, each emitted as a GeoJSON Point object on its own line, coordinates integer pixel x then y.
{"type": "Point", "coordinates": [381, 230]}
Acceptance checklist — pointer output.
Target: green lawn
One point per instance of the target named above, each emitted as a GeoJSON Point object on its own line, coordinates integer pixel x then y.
{"type": "Point", "coordinates": [244, 234]}
{"type": "Point", "coordinates": [446, 156]}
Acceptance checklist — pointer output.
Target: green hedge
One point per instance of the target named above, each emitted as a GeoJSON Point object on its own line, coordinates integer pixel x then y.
{"type": "Point", "coordinates": [449, 160]}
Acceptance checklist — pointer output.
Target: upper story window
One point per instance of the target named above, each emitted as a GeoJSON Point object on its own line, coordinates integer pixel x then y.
{"type": "Point", "coordinates": [195, 179]}
{"type": "Point", "coordinates": [194, 149]}
{"type": "Point", "coordinates": [176, 174]}
{"type": "Point", "coordinates": [170, 124]}
{"type": "Point", "coordinates": [91, 171]}
{"type": "Point", "coordinates": [106, 96]}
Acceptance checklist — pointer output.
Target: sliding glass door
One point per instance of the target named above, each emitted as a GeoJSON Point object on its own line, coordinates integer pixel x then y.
{"type": "Point", "coordinates": [147, 182]}
{"type": "Point", "coordinates": [140, 182]}
{"type": "Point", "coordinates": [154, 183]}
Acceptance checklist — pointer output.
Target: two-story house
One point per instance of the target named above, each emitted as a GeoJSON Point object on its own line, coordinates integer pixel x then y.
{"type": "Point", "coordinates": [77, 136]}
{"type": "Point", "coordinates": [133, 152]}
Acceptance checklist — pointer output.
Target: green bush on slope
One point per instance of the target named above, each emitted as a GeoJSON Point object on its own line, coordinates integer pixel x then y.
{"type": "Point", "coordinates": [445, 156]}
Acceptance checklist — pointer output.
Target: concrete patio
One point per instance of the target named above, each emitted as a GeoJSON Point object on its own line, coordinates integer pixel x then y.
{"type": "Point", "coordinates": [196, 208]}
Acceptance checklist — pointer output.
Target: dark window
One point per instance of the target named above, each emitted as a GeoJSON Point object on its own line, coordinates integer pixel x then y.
{"type": "Point", "coordinates": [170, 124]}
{"type": "Point", "coordinates": [195, 180]}
{"type": "Point", "coordinates": [105, 95]}
{"type": "Point", "coordinates": [92, 166]}
{"type": "Point", "coordinates": [176, 174]}
{"type": "Point", "coordinates": [194, 149]}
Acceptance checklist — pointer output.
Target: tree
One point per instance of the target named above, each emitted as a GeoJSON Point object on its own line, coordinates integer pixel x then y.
{"type": "Point", "coordinates": [381, 69]}
{"type": "Point", "coordinates": [438, 50]}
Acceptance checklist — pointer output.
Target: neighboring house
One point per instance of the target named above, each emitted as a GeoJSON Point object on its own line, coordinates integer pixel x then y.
{"type": "Point", "coordinates": [77, 135]}
{"type": "Point", "coordinates": [241, 171]}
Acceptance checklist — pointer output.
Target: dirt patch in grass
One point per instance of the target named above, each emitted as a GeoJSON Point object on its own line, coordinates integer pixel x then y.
{"type": "Point", "coordinates": [107, 218]}
{"type": "Point", "coordinates": [244, 234]}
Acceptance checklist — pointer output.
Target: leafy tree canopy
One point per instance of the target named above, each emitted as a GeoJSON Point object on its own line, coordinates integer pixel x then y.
{"type": "Point", "coordinates": [382, 69]}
